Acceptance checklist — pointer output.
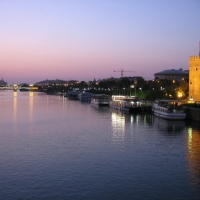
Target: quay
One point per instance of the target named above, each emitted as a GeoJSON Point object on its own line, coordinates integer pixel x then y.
{"type": "Point", "coordinates": [192, 114]}
{"type": "Point", "coordinates": [147, 105]}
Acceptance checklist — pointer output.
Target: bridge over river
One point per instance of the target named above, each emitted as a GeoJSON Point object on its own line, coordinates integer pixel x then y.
{"type": "Point", "coordinates": [15, 88]}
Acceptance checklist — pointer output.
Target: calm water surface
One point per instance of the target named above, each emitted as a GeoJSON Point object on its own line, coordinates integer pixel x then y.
{"type": "Point", "coordinates": [55, 148]}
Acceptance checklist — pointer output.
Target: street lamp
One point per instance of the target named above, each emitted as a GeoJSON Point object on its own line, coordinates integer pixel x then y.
{"type": "Point", "coordinates": [191, 99]}
{"type": "Point", "coordinates": [180, 95]}
{"type": "Point", "coordinates": [123, 92]}
{"type": "Point", "coordinates": [135, 87]}
{"type": "Point", "coordinates": [131, 86]}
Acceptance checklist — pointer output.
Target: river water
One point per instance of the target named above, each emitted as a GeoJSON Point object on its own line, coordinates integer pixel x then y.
{"type": "Point", "coordinates": [55, 148]}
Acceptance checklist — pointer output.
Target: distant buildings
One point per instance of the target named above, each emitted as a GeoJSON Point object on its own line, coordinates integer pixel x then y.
{"type": "Point", "coordinates": [55, 82]}
{"type": "Point", "coordinates": [173, 74]}
{"type": "Point", "coordinates": [134, 78]}
{"type": "Point", "coordinates": [3, 83]}
{"type": "Point", "coordinates": [194, 78]}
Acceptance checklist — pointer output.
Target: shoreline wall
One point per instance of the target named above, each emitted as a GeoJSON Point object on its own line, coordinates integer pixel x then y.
{"type": "Point", "coordinates": [192, 113]}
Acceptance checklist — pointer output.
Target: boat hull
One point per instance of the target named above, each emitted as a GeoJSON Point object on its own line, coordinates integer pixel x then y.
{"type": "Point", "coordinates": [128, 104]}
{"type": "Point", "coordinates": [170, 116]}
{"type": "Point", "coordinates": [85, 96]}
{"type": "Point", "coordinates": [100, 103]}
{"type": "Point", "coordinates": [100, 100]}
{"type": "Point", "coordinates": [127, 109]}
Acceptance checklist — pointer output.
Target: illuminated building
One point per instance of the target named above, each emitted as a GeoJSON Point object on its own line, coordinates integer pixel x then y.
{"type": "Point", "coordinates": [194, 79]}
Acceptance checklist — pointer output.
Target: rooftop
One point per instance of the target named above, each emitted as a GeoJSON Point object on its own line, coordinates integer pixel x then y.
{"type": "Point", "coordinates": [173, 71]}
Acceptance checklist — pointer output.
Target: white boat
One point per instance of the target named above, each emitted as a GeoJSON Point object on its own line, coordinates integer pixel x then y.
{"type": "Point", "coordinates": [85, 96]}
{"type": "Point", "coordinates": [100, 99]}
{"type": "Point", "coordinates": [126, 103]}
{"type": "Point", "coordinates": [169, 109]}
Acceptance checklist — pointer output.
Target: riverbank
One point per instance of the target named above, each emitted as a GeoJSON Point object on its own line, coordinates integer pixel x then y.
{"type": "Point", "coordinates": [192, 114]}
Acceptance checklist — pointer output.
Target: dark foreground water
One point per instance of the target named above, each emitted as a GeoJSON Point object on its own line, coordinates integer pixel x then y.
{"type": "Point", "coordinates": [55, 148]}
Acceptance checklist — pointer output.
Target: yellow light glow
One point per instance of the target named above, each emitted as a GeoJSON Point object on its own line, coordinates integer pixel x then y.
{"type": "Point", "coordinates": [180, 94]}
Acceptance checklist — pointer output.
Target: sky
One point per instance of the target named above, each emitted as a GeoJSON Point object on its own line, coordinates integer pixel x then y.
{"type": "Point", "coordinates": [90, 39]}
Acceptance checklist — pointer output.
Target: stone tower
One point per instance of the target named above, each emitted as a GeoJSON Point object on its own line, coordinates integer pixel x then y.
{"type": "Point", "coordinates": [194, 79]}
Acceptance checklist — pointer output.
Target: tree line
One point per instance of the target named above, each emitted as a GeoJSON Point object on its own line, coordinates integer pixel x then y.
{"type": "Point", "coordinates": [149, 90]}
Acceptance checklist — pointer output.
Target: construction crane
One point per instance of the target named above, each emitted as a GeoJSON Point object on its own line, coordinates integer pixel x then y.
{"type": "Point", "coordinates": [122, 72]}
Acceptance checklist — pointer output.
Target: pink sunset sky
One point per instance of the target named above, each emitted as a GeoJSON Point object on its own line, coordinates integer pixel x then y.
{"type": "Point", "coordinates": [87, 39]}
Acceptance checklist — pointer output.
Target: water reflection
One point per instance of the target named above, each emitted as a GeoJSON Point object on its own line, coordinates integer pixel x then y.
{"type": "Point", "coordinates": [169, 126]}
{"type": "Point", "coordinates": [71, 139]}
{"type": "Point", "coordinates": [100, 108]}
{"type": "Point", "coordinates": [120, 121]}
{"type": "Point", "coordinates": [31, 105]}
{"type": "Point", "coordinates": [193, 154]}
{"type": "Point", "coordinates": [118, 126]}
{"type": "Point", "coordinates": [142, 118]}
{"type": "Point", "coordinates": [14, 106]}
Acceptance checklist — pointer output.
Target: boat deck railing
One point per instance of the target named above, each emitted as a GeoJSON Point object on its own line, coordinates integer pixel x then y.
{"type": "Point", "coordinates": [170, 109]}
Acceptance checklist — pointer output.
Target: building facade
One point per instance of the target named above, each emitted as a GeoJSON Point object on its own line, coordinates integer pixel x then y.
{"type": "Point", "coordinates": [173, 74]}
{"type": "Point", "coordinates": [194, 79]}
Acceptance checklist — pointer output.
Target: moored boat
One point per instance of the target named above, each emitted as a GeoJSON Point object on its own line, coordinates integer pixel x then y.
{"type": "Point", "coordinates": [126, 103]}
{"type": "Point", "coordinates": [24, 89]}
{"type": "Point", "coordinates": [100, 99]}
{"type": "Point", "coordinates": [169, 109]}
{"type": "Point", "coordinates": [85, 96]}
{"type": "Point", "coordinates": [72, 94]}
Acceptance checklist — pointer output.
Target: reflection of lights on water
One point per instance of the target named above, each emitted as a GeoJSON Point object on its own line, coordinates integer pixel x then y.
{"type": "Point", "coordinates": [15, 94]}
{"type": "Point", "coordinates": [193, 153]}
{"type": "Point", "coordinates": [31, 104]}
{"type": "Point", "coordinates": [135, 120]}
{"type": "Point", "coordinates": [14, 105]}
{"type": "Point", "coordinates": [132, 119]}
{"type": "Point", "coordinates": [190, 140]}
{"type": "Point", "coordinates": [118, 125]}
{"type": "Point", "coordinates": [145, 119]}
{"type": "Point", "coordinates": [31, 94]}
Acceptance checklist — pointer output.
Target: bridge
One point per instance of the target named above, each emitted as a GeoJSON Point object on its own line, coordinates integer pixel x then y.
{"type": "Point", "coordinates": [15, 88]}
